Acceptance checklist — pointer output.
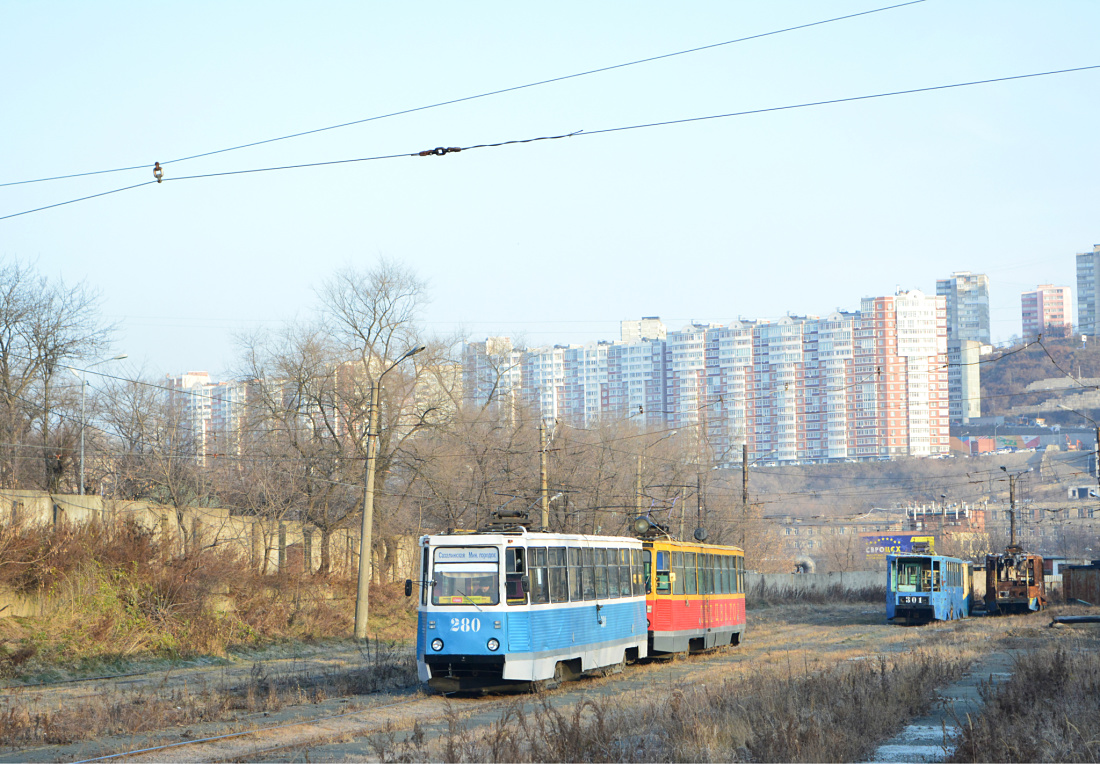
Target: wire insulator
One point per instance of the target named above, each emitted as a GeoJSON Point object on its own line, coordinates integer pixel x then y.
{"type": "Point", "coordinates": [158, 173]}
{"type": "Point", "coordinates": [438, 151]}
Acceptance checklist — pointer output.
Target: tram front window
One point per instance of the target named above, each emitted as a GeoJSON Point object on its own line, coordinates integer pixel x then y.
{"type": "Point", "coordinates": [465, 587]}
{"type": "Point", "coordinates": [909, 577]}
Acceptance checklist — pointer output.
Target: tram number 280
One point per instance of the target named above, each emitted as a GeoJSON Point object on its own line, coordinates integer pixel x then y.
{"type": "Point", "coordinates": [465, 624]}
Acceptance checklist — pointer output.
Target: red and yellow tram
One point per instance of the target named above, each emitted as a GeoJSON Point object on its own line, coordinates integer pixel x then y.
{"type": "Point", "coordinates": [695, 595]}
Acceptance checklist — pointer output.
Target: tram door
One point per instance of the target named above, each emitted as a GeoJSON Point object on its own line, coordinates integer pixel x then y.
{"type": "Point", "coordinates": [706, 588]}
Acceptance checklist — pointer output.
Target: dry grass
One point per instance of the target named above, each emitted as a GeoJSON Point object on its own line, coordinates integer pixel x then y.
{"type": "Point", "coordinates": [152, 708]}
{"type": "Point", "coordinates": [763, 596]}
{"type": "Point", "coordinates": [110, 596]}
{"type": "Point", "coordinates": [766, 712]}
{"type": "Point", "coordinates": [1047, 711]}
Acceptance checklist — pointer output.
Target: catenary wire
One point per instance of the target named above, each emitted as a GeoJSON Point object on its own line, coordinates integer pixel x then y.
{"type": "Point", "coordinates": [580, 133]}
{"type": "Point", "coordinates": [474, 97]}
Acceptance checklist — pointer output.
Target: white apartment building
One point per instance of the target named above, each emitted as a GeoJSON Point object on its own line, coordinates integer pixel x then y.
{"type": "Point", "coordinates": [866, 385]}
{"type": "Point", "coordinates": [211, 413]}
{"type": "Point", "coordinates": [1088, 290]}
{"type": "Point", "coordinates": [967, 306]}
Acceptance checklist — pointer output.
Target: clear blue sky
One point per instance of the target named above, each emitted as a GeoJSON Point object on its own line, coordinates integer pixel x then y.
{"type": "Point", "coordinates": [797, 211]}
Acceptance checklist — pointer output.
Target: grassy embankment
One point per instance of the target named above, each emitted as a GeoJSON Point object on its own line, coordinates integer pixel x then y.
{"type": "Point", "coordinates": [108, 596]}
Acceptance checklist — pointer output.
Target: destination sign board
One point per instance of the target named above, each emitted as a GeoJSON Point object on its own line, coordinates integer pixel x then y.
{"type": "Point", "coordinates": [467, 554]}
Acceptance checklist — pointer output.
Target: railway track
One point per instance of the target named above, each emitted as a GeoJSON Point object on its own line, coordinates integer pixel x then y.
{"type": "Point", "coordinates": [341, 728]}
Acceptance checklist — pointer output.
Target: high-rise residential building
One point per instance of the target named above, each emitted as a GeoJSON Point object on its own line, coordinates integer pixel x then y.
{"type": "Point", "coordinates": [1046, 310]}
{"type": "Point", "coordinates": [866, 385]}
{"type": "Point", "coordinates": [211, 414]}
{"type": "Point", "coordinates": [648, 328]}
{"type": "Point", "coordinates": [492, 373]}
{"type": "Point", "coordinates": [967, 296]}
{"type": "Point", "coordinates": [1088, 290]}
{"type": "Point", "coordinates": [964, 380]}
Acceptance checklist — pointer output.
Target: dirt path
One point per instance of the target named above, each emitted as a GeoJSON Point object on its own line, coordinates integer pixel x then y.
{"type": "Point", "coordinates": [928, 738]}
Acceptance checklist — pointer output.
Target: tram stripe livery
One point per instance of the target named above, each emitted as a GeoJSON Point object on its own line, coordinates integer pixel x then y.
{"type": "Point", "coordinates": [499, 608]}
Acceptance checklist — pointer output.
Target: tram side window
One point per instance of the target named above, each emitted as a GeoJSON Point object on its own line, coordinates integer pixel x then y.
{"type": "Point", "coordinates": [647, 566]}
{"type": "Point", "coordinates": [613, 573]}
{"type": "Point", "coordinates": [641, 584]}
{"type": "Point", "coordinates": [709, 589]}
{"type": "Point", "coordinates": [677, 572]}
{"type": "Point", "coordinates": [663, 573]}
{"type": "Point", "coordinates": [727, 575]}
{"type": "Point", "coordinates": [540, 576]}
{"type": "Point", "coordinates": [690, 586]}
{"type": "Point", "coordinates": [740, 574]}
{"type": "Point", "coordinates": [601, 573]}
{"type": "Point", "coordinates": [588, 573]}
{"type": "Point", "coordinates": [624, 572]}
{"type": "Point", "coordinates": [575, 574]}
{"type": "Point", "coordinates": [559, 583]}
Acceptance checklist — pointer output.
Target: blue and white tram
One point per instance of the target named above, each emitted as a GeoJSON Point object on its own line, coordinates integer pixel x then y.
{"type": "Point", "coordinates": [921, 588]}
{"type": "Point", "coordinates": [498, 608]}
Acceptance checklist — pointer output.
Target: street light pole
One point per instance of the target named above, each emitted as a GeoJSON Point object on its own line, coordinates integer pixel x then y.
{"type": "Point", "coordinates": [366, 528]}
{"type": "Point", "coordinates": [83, 385]}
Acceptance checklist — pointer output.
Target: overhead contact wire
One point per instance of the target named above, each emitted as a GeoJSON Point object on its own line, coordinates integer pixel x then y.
{"type": "Point", "coordinates": [474, 97]}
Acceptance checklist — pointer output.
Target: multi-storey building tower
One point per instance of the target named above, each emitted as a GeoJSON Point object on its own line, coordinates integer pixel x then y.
{"type": "Point", "coordinates": [865, 385]}
{"type": "Point", "coordinates": [210, 414]}
{"type": "Point", "coordinates": [648, 328]}
{"type": "Point", "coordinates": [964, 380]}
{"type": "Point", "coordinates": [1088, 290]}
{"type": "Point", "coordinates": [492, 373]}
{"type": "Point", "coordinates": [1046, 310]}
{"type": "Point", "coordinates": [967, 296]}
{"type": "Point", "coordinates": [636, 381]}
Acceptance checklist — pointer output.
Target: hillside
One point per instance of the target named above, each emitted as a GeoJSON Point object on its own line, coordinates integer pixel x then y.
{"type": "Point", "coordinates": [1008, 372]}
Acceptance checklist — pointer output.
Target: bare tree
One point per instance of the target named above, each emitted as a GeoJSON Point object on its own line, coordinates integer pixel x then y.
{"type": "Point", "coordinates": [45, 327]}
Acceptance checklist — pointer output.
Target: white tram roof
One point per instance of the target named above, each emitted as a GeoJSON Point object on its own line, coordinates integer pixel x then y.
{"type": "Point", "coordinates": [529, 538]}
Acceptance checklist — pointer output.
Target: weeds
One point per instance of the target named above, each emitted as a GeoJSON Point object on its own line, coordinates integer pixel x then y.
{"type": "Point", "coordinates": [108, 593]}
{"type": "Point", "coordinates": [154, 708]}
{"type": "Point", "coordinates": [767, 713]}
{"type": "Point", "coordinates": [1046, 711]}
{"type": "Point", "coordinates": [763, 595]}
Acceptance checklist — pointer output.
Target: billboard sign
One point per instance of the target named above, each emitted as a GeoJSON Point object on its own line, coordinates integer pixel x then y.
{"type": "Point", "coordinates": [877, 545]}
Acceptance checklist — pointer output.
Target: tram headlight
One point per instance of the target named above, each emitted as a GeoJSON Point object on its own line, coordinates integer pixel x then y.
{"type": "Point", "coordinates": [493, 645]}
{"type": "Point", "coordinates": [437, 644]}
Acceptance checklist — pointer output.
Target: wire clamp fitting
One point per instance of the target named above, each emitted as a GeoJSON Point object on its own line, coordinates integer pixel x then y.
{"type": "Point", "coordinates": [439, 151]}
{"type": "Point", "coordinates": [158, 173]}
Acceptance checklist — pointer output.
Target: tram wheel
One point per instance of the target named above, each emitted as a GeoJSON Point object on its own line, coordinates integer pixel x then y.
{"type": "Point", "coordinates": [552, 683]}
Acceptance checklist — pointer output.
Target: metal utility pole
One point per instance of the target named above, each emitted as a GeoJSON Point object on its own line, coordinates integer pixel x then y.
{"type": "Point", "coordinates": [543, 469]}
{"type": "Point", "coordinates": [1012, 510]}
{"type": "Point", "coordinates": [744, 480]}
{"type": "Point", "coordinates": [366, 529]}
{"type": "Point", "coordinates": [638, 486]}
{"type": "Point", "coordinates": [83, 421]}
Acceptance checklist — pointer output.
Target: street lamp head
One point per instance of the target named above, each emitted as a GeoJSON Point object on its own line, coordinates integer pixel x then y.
{"type": "Point", "coordinates": [414, 351]}
{"type": "Point", "coordinates": [1003, 468]}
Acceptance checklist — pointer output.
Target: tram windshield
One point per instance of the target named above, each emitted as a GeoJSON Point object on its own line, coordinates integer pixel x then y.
{"type": "Point", "coordinates": [910, 578]}
{"type": "Point", "coordinates": [460, 585]}
{"type": "Point", "coordinates": [466, 576]}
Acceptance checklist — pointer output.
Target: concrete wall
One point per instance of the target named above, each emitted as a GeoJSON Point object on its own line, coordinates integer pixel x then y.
{"type": "Point", "coordinates": [269, 544]}
{"type": "Point", "coordinates": [862, 579]}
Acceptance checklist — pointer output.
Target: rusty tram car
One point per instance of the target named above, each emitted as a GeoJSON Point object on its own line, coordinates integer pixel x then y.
{"type": "Point", "coordinates": [1014, 582]}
